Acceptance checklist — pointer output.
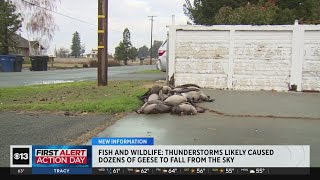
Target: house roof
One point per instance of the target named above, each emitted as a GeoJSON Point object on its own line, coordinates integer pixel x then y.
{"type": "Point", "coordinates": [33, 43]}
{"type": "Point", "coordinates": [22, 42]}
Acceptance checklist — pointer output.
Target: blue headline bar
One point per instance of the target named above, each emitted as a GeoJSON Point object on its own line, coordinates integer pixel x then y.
{"type": "Point", "coordinates": [61, 170]}
{"type": "Point", "coordinates": [122, 141]}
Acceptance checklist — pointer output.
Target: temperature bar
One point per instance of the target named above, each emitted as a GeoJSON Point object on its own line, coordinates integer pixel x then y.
{"type": "Point", "coordinates": [202, 171]}
{"type": "Point", "coordinates": [162, 171]}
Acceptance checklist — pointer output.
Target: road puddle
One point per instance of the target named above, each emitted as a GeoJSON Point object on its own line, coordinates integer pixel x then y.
{"type": "Point", "coordinates": [51, 82]}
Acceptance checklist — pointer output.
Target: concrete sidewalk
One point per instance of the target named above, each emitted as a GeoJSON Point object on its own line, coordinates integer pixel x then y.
{"type": "Point", "coordinates": [211, 129]}
{"type": "Point", "coordinates": [264, 103]}
{"type": "Point", "coordinates": [250, 118]}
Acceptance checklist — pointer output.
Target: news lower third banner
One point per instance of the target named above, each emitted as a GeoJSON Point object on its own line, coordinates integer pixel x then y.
{"type": "Point", "coordinates": [51, 159]}
{"type": "Point", "coordinates": [109, 155]}
{"type": "Point", "coordinates": [123, 154]}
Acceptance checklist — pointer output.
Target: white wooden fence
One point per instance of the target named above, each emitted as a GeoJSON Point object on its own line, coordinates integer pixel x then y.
{"type": "Point", "coordinates": [244, 57]}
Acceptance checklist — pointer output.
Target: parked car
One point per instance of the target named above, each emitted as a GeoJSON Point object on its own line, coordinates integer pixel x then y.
{"type": "Point", "coordinates": [162, 59]}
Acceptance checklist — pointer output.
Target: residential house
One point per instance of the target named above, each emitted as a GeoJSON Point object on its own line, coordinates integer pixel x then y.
{"type": "Point", "coordinates": [21, 46]}
{"type": "Point", "coordinates": [93, 54]}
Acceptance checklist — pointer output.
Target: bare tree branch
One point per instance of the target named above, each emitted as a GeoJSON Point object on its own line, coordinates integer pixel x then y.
{"type": "Point", "coordinates": [38, 18]}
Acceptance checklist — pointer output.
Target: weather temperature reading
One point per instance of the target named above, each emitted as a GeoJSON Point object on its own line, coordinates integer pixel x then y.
{"type": "Point", "coordinates": [229, 170]}
{"type": "Point", "coordinates": [259, 170]}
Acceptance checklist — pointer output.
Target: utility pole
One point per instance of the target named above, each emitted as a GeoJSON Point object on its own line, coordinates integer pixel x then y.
{"type": "Point", "coordinates": [151, 38]}
{"type": "Point", "coordinates": [102, 42]}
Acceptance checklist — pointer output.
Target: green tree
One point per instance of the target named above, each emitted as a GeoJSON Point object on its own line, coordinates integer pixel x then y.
{"type": "Point", "coordinates": [119, 54]}
{"type": "Point", "coordinates": [155, 47]}
{"type": "Point", "coordinates": [284, 16]}
{"type": "Point", "coordinates": [204, 11]}
{"type": "Point", "coordinates": [260, 14]}
{"type": "Point", "coordinates": [10, 23]}
{"type": "Point", "coordinates": [122, 51]}
{"type": "Point", "coordinates": [209, 12]}
{"type": "Point", "coordinates": [306, 11]}
{"type": "Point", "coordinates": [127, 45]}
{"type": "Point", "coordinates": [143, 52]}
{"type": "Point", "coordinates": [133, 52]}
{"type": "Point", "coordinates": [76, 45]}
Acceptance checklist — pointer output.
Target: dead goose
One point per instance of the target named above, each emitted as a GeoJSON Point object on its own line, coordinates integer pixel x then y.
{"type": "Point", "coordinates": [154, 90]}
{"type": "Point", "coordinates": [156, 109]}
{"type": "Point", "coordinates": [153, 97]}
{"type": "Point", "coordinates": [194, 95]}
{"type": "Point", "coordinates": [164, 93]}
{"type": "Point", "coordinates": [175, 100]}
{"type": "Point", "coordinates": [199, 109]}
{"type": "Point", "coordinates": [188, 85]}
{"type": "Point", "coordinates": [163, 96]}
{"type": "Point", "coordinates": [185, 90]}
{"type": "Point", "coordinates": [184, 109]}
{"type": "Point", "coordinates": [205, 98]}
{"type": "Point", "coordinates": [166, 89]}
{"type": "Point", "coordinates": [140, 111]}
{"type": "Point", "coordinates": [197, 96]}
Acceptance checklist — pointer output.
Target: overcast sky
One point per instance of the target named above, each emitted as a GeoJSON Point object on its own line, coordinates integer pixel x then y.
{"type": "Point", "coordinates": [132, 14]}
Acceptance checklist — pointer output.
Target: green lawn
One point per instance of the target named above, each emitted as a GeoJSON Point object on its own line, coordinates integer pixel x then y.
{"type": "Point", "coordinates": [118, 96]}
{"type": "Point", "coordinates": [149, 72]}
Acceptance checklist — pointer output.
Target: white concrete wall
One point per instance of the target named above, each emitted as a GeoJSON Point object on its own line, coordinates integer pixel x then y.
{"type": "Point", "coordinates": [311, 63]}
{"type": "Point", "coordinates": [202, 58]}
{"type": "Point", "coordinates": [245, 57]}
{"type": "Point", "coordinates": [262, 60]}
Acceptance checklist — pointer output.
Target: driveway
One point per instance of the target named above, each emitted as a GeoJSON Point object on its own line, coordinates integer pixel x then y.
{"type": "Point", "coordinates": [241, 118]}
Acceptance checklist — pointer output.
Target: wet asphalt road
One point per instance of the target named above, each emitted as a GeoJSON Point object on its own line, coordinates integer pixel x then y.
{"type": "Point", "coordinates": [27, 77]}
{"type": "Point", "coordinates": [43, 129]}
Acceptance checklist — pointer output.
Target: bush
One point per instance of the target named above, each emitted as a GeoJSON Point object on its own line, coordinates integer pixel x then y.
{"type": "Point", "coordinates": [85, 65]}
{"type": "Point", "coordinates": [261, 14]}
{"type": "Point", "coordinates": [93, 63]}
{"type": "Point", "coordinates": [113, 63]}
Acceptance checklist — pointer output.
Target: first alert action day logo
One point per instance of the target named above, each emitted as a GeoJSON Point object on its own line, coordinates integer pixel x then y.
{"type": "Point", "coordinates": [61, 156]}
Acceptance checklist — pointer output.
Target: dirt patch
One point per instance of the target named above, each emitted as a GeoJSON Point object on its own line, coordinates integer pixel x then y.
{"type": "Point", "coordinates": [71, 60]}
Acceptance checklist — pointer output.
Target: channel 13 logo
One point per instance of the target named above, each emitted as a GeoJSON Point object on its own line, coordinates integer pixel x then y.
{"type": "Point", "coordinates": [20, 156]}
